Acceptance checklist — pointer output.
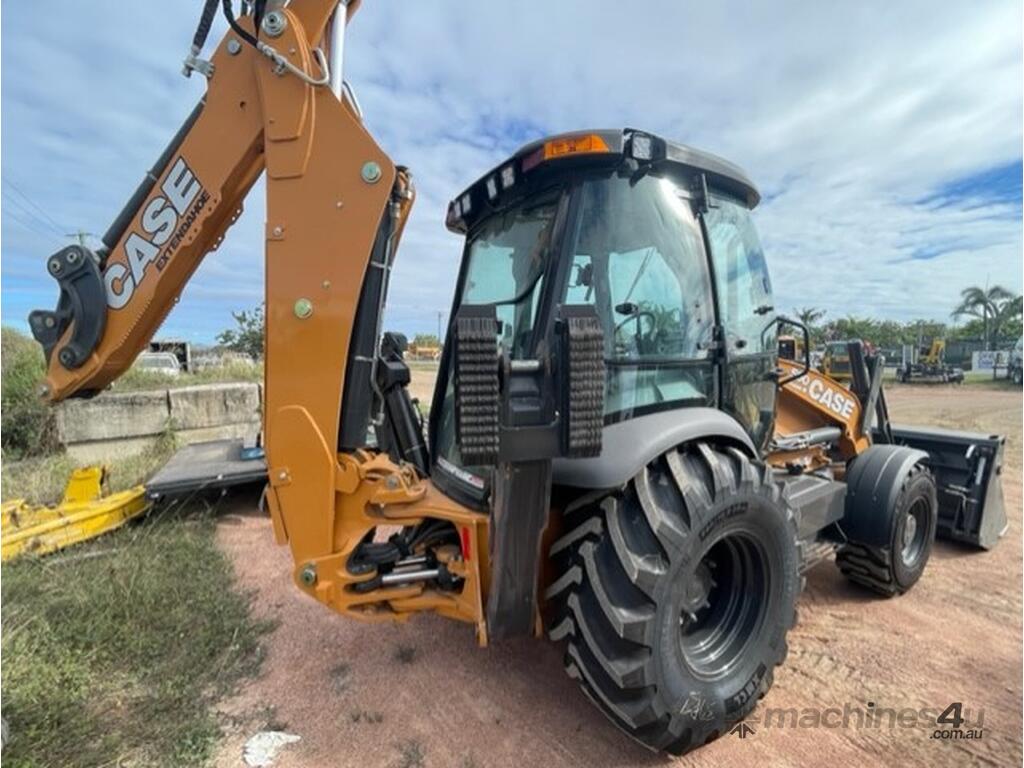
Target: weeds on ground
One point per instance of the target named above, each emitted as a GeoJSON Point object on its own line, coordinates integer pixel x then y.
{"type": "Point", "coordinates": [41, 479]}
{"type": "Point", "coordinates": [362, 715]}
{"type": "Point", "coordinates": [27, 426]}
{"type": "Point", "coordinates": [411, 755]}
{"type": "Point", "coordinates": [405, 654]}
{"type": "Point", "coordinates": [139, 379]}
{"type": "Point", "coordinates": [114, 651]}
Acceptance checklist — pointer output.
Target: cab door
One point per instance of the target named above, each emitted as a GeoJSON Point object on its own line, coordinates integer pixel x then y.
{"type": "Point", "coordinates": [746, 316]}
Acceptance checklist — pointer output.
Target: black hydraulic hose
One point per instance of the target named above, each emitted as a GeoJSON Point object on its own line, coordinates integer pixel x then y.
{"type": "Point", "coordinates": [229, 14]}
{"type": "Point", "coordinates": [205, 22]}
{"type": "Point", "coordinates": [258, 9]}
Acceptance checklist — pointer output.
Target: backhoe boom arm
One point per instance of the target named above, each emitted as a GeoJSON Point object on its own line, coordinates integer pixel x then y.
{"type": "Point", "coordinates": [336, 207]}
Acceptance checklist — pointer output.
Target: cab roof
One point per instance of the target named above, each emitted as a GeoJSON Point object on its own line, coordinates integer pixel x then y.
{"type": "Point", "coordinates": [511, 179]}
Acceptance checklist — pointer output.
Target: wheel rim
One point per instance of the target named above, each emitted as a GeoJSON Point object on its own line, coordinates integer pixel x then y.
{"type": "Point", "coordinates": [724, 605]}
{"type": "Point", "coordinates": [915, 531]}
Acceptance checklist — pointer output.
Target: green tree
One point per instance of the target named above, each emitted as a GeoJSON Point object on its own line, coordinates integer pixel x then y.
{"type": "Point", "coordinates": [889, 334]}
{"type": "Point", "coordinates": [247, 336]}
{"type": "Point", "coordinates": [982, 303]}
{"type": "Point", "coordinates": [810, 316]}
{"type": "Point", "coordinates": [1006, 324]}
{"type": "Point", "coordinates": [851, 327]}
{"type": "Point", "coordinates": [426, 340]}
{"type": "Point", "coordinates": [922, 332]}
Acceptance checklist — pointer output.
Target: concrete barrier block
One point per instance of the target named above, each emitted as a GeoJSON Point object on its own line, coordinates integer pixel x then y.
{"type": "Point", "coordinates": [113, 415]}
{"type": "Point", "coordinates": [214, 405]}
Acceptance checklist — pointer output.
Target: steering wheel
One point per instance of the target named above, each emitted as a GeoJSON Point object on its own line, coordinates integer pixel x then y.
{"type": "Point", "coordinates": [641, 338]}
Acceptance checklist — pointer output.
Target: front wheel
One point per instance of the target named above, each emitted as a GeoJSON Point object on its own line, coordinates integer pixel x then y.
{"type": "Point", "coordinates": [894, 566]}
{"type": "Point", "coordinates": [676, 594]}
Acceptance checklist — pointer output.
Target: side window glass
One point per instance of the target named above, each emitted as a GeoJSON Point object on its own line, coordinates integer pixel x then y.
{"type": "Point", "coordinates": [648, 304]}
{"type": "Point", "coordinates": [741, 276]}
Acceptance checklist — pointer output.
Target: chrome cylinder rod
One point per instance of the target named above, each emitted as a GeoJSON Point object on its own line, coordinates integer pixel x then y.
{"type": "Point", "coordinates": [408, 577]}
{"type": "Point", "coordinates": [336, 52]}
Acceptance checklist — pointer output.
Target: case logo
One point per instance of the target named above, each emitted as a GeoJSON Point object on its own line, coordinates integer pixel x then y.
{"type": "Point", "coordinates": [832, 397]}
{"type": "Point", "coordinates": [165, 221]}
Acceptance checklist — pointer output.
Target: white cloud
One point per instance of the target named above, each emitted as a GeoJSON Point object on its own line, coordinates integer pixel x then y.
{"type": "Point", "coordinates": [847, 115]}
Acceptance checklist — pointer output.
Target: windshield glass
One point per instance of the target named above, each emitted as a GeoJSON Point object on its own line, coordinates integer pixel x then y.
{"type": "Point", "coordinates": [506, 258]}
{"type": "Point", "coordinates": [505, 267]}
{"type": "Point", "coordinates": [639, 260]}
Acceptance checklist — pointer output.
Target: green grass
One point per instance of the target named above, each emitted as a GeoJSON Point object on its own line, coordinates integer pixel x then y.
{"type": "Point", "coordinates": [986, 382]}
{"type": "Point", "coordinates": [136, 379]}
{"type": "Point", "coordinates": [41, 479]}
{"type": "Point", "coordinates": [27, 426]}
{"type": "Point", "coordinates": [114, 651]}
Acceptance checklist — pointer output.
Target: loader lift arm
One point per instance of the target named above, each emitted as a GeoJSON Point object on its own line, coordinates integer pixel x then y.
{"type": "Point", "coordinates": [336, 207]}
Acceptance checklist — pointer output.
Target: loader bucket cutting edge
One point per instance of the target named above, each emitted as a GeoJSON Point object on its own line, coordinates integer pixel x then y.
{"type": "Point", "coordinates": [967, 467]}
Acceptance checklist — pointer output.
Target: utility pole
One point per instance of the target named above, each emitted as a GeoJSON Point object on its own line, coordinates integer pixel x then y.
{"type": "Point", "coordinates": [81, 235]}
{"type": "Point", "coordinates": [440, 338]}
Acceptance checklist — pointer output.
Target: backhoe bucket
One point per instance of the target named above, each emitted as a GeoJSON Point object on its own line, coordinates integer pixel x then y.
{"type": "Point", "coordinates": [967, 467]}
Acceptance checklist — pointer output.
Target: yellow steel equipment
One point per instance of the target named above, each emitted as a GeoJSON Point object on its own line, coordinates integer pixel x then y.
{"type": "Point", "coordinates": [83, 513]}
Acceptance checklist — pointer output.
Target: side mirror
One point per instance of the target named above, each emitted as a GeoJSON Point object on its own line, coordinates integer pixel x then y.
{"type": "Point", "coordinates": [782, 321]}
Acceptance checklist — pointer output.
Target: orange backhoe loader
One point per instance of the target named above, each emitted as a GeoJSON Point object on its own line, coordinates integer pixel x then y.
{"type": "Point", "coordinates": [616, 455]}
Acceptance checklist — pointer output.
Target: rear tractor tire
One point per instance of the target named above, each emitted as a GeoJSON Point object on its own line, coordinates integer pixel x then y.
{"type": "Point", "coordinates": [895, 566]}
{"type": "Point", "coordinates": [675, 595]}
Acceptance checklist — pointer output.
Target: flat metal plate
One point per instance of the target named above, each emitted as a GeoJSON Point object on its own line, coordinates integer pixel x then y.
{"type": "Point", "coordinates": [208, 466]}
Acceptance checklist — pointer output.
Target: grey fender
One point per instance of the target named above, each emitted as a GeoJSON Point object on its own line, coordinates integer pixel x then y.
{"type": "Point", "coordinates": [629, 445]}
{"type": "Point", "coordinates": [873, 482]}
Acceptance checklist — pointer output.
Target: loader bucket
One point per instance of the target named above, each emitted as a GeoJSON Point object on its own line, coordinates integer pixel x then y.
{"type": "Point", "coordinates": [967, 468]}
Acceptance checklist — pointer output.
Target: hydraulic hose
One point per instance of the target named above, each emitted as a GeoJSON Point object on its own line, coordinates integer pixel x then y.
{"type": "Point", "coordinates": [229, 14]}
{"type": "Point", "coordinates": [205, 22]}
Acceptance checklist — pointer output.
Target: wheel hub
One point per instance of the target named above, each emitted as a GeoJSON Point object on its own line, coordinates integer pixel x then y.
{"type": "Point", "coordinates": [698, 590]}
{"type": "Point", "coordinates": [723, 605]}
{"type": "Point", "coordinates": [909, 530]}
{"type": "Point", "coordinates": [915, 527]}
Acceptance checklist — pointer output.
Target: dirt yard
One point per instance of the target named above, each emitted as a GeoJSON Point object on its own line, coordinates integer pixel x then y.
{"type": "Point", "coordinates": [424, 694]}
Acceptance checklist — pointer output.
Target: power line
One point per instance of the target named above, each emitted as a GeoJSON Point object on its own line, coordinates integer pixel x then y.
{"type": "Point", "coordinates": [17, 205]}
{"type": "Point", "coordinates": [31, 202]}
{"type": "Point", "coordinates": [29, 225]}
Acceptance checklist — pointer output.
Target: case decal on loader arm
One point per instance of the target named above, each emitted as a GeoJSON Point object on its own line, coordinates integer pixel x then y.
{"type": "Point", "coordinates": [812, 401]}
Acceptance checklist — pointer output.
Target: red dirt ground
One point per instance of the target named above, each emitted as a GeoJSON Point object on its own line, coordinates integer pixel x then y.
{"type": "Point", "coordinates": [424, 694]}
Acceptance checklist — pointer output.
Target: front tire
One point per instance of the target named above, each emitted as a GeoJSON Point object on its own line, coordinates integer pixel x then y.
{"type": "Point", "coordinates": [896, 566]}
{"type": "Point", "coordinates": [676, 594]}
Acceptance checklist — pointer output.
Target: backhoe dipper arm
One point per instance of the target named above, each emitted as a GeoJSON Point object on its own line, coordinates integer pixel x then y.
{"type": "Point", "coordinates": [336, 205]}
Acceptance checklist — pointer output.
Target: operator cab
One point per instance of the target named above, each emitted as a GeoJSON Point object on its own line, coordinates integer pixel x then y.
{"type": "Point", "coordinates": [658, 239]}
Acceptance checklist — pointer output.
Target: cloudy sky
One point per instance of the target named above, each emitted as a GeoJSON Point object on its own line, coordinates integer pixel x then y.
{"type": "Point", "coordinates": [886, 137]}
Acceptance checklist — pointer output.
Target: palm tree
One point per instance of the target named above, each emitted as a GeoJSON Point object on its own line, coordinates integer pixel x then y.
{"type": "Point", "coordinates": [1006, 323]}
{"type": "Point", "coordinates": [809, 315]}
{"type": "Point", "coordinates": [982, 303]}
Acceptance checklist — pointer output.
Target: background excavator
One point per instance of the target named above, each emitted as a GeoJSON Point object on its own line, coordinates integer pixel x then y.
{"type": "Point", "coordinates": [615, 452]}
{"type": "Point", "coordinates": [927, 362]}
